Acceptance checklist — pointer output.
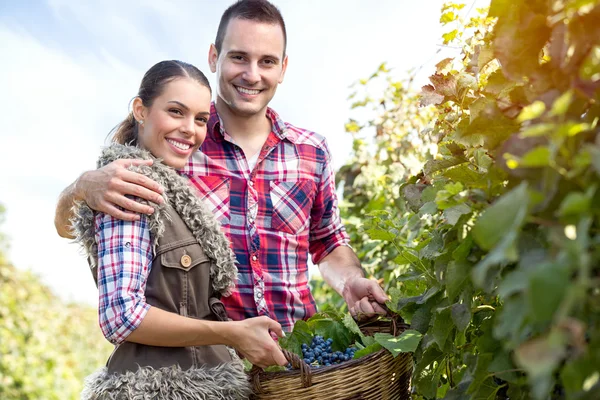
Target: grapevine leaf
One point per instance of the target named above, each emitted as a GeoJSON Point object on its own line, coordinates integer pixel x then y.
{"type": "Point", "coordinates": [407, 342]}
{"type": "Point", "coordinates": [539, 357]}
{"type": "Point", "coordinates": [453, 214]}
{"type": "Point", "coordinates": [328, 328]}
{"type": "Point", "coordinates": [429, 96]}
{"type": "Point", "coordinates": [350, 323]}
{"type": "Point", "coordinates": [538, 157]}
{"type": "Point", "coordinates": [373, 348]}
{"type": "Point", "coordinates": [574, 203]}
{"type": "Point", "coordinates": [532, 111]}
{"type": "Point", "coordinates": [506, 215]}
{"type": "Point", "coordinates": [301, 334]}
{"type": "Point", "coordinates": [457, 275]}
{"type": "Point", "coordinates": [461, 316]}
{"type": "Point", "coordinates": [547, 287]}
{"type": "Point", "coordinates": [442, 326]}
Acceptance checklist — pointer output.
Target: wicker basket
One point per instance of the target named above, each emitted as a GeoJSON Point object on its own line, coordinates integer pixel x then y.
{"type": "Point", "coordinates": [377, 376]}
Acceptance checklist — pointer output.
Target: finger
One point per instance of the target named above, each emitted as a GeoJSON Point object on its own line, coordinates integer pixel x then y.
{"type": "Point", "coordinates": [279, 358]}
{"type": "Point", "coordinates": [142, 180]}
{"type": "Point", "coordinates": [365, 306]}
{"type": "Point", "coordinates": [377, 308]}
{"type": "Point", "coordinates": [130, 205]}
{"type": "Point", "coordinates": [141, 192]}
{"type": "Point", "coordinates": [118, 214]}
{"type": "Point", "coordinates": [276, 327]}
{"type": "Point", "coordinates": [377, 292]}
{"type": "Point", "coordinates": [134, 161]}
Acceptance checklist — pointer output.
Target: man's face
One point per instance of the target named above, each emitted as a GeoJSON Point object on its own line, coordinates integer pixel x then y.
{"type": "Point", "coordinates": [249, 67]}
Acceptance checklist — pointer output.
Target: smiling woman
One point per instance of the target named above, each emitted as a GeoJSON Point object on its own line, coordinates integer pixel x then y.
{"type": "Point", "coordinates": [160, 277]}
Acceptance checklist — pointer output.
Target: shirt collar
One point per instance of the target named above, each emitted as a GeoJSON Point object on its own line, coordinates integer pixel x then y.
{"type": "Point", "coordinates": [217, 133]}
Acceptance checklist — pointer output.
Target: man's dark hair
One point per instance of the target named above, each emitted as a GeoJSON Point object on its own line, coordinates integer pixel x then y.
{"type": "Point", "coordinates": [252, 10]}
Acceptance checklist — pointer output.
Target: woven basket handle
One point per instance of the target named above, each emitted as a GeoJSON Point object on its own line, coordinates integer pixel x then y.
{"type": "Point", "coordinates": [294, 360]}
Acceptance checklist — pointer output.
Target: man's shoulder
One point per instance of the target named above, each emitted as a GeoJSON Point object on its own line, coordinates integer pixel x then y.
{"type": "Point", "coordinates": [301, 136]}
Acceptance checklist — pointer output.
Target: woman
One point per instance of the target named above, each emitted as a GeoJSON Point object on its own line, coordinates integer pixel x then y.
{"type": "Point", "coordinates": [160, 278]}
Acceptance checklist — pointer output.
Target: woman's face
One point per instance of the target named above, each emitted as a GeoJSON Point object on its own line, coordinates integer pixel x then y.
{"type": "Point", "coordinates": [175, 124]}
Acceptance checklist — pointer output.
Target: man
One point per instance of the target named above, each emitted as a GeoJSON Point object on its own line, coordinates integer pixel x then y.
{"type": "Point", "coordinates": [270, 184]}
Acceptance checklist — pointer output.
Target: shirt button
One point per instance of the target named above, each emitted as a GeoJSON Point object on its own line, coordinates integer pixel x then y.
{"type": "Point", "coordinates": [259, 295]}
{"type": "Point", "coordinates": [251, 183]}
{"type": "Point", "coordinates": [254, 258]}
{"type": "Point", "coordinates": [186, 261]}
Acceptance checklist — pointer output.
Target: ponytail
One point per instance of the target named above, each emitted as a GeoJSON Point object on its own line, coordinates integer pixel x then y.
{"type": "Point", "coordinates": [126, 131]}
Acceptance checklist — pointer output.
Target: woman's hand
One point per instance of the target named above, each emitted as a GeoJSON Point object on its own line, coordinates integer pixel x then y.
{"type": "Point", "coordinates": [252, 339]}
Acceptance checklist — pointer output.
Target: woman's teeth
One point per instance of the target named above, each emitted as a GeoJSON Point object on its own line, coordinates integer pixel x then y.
{"type": "Point", "coordinates": [179, 145]}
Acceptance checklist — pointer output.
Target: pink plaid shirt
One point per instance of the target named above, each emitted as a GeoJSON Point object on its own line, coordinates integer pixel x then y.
{"type": "Point", "coordinates": [275, 215]}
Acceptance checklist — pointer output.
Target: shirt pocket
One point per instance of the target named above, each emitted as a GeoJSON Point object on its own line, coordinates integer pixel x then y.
{"type": "Point", "coordinates": [214, 191]}
{"type": "Point", "coordinates": [291, 205]}
{"type": "Point", "coordinates": [184, 255]}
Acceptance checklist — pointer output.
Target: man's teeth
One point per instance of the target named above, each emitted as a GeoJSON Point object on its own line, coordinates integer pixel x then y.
{"type": "Point", "coordinates": [247, 91]}
{"type": "Point", "coordinates": [179, 145]}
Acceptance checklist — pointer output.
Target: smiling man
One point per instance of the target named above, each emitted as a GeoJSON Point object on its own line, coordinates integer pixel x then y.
{"type": "Point", "coordinates": [270, 184]}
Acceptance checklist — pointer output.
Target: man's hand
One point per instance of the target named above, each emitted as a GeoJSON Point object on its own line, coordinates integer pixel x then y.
{"type": "Point", "coordinates": [364, 297]}
{"type": "Point", "coordinates": [106, 188]}
{"type": "Point", "coordinates": [253, 341]}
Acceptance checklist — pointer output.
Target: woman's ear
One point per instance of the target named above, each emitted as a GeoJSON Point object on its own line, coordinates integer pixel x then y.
{"type": "Point", "coordinates": [138, 109]}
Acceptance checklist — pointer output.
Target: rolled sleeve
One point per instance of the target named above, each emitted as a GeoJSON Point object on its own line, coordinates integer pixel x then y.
{"type": "Point", "coordinates": [327, 231]}
{"type": "Point", "coordinates": [124, 260]}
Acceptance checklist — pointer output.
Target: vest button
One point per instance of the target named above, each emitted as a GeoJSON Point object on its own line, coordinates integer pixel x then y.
{"type": "Point", "coordinates": [186, 261]}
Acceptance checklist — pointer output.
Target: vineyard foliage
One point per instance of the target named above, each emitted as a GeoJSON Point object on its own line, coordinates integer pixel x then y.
{"type": "Point", "coordinates": [47, 346]}
{"type": "Point", "coordinates": [476, 203]}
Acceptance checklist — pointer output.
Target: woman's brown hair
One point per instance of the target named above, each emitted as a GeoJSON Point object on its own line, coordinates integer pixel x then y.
{"type": "Point", "coordinates": [152, 86]}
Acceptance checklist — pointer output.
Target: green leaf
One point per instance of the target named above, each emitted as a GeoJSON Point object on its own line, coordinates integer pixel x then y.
{"type": "Point", "coordinates": [380, 234]}
{"type": "Point", "coordinates": [453, 214]}
{"type": "Point", "coordinates": [448, 17]}
{"type": "Point", "coordinates": [547, 287]}
{"type": "Point", "coordinates": [539, 357]}
{"type": "Point", "coordinates": [300, 334]}
{"type": "Point", "coordinates": [350, 323]}
{"type": "Point", "coordinates": [561, 104]}
{"type": "Point", "coordinates": [532, 111]}
{"type": "Point", "coordinates": [505, 216]}
{"type": "Point", "coordinates": [450, 36]}
{"type": "Point", "coordinates": [456, 278]}
{"type": "Point", "coordinates": [328, 328]}
{"type": "Point", "coordinates": [442, 326]}
{"type": "Point", "coordinates": [373, 348]}
{"type": "Point", "coordinates": [407, 342]}
{"type": "Point", "coordinates": [537, 130]}
{"type": "Point", "coordinates": [538, 157]}
{"type": "Point", "coordinates": [574, 203]}
{"type": "Point", "coordinates": [461, 316]}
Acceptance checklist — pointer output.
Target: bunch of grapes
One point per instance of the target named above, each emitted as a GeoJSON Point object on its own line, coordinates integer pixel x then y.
{"type": "Point", "coordinates": [319, 353]}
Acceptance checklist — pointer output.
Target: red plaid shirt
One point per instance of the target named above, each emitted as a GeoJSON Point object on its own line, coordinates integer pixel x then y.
{"type": "Point", "coordinates": [274, 215]}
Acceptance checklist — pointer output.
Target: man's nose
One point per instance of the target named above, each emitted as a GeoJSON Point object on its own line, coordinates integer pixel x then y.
{"type": "Point", "coordinates": [252, 73]}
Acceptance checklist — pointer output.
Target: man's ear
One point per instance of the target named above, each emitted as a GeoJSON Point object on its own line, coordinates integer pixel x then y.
{"type": "Point", "coordinates": [138, 109]}
{"type": "Point", "coordinates": [283, 68]}
{"type": "Point", "coordinates": [213, 56]}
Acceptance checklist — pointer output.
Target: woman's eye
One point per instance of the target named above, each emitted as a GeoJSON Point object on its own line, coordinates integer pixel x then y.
{"type": "Point", "coordinates": [175, 111]}
{"type": "Point", "coordinates": [202, 119]}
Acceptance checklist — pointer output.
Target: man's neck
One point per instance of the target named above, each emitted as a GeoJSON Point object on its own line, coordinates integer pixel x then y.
{"type": "Point", "coordinates": [249, 132]}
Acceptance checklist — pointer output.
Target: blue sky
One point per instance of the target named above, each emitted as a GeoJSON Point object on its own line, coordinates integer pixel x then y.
{"type": "Point", "coordinates": [69, 69]}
